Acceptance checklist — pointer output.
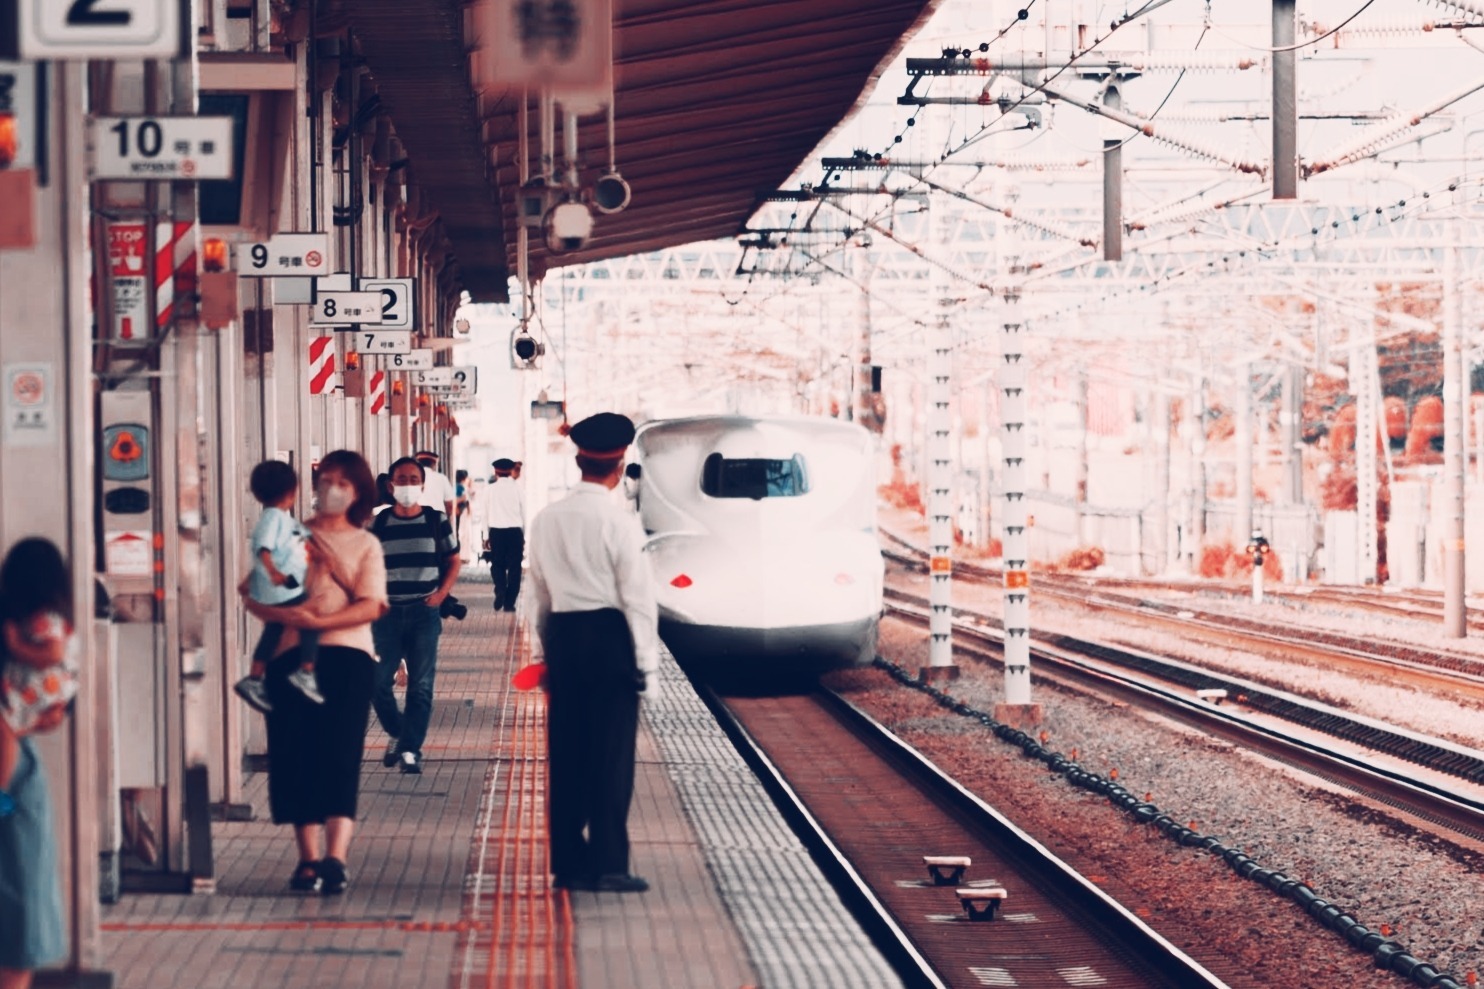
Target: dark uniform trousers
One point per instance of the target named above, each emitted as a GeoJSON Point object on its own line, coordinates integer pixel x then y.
{"type": "Point", "coordinates": [507, 546]}
{"type": "Point", "coordinates": [592, 720]}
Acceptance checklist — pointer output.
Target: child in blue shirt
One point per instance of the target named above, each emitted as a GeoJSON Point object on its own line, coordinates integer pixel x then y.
{"type": "Point", "coordinates": [280, 547]}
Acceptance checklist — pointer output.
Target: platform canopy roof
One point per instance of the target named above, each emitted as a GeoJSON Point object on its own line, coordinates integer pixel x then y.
{"type": "Point", "coordinates": [716, 103]}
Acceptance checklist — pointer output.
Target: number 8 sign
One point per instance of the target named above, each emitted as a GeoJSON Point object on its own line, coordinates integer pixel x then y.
{"type": "Point", "coordinates": [397, 300]}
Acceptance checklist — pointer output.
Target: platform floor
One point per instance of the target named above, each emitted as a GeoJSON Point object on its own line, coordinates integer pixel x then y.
{"type": "Point", "coordinates": [448, 871]}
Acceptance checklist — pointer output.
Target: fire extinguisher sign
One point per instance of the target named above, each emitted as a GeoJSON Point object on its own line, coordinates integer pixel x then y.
{"type": "Point", "coordinates": [126, 259]}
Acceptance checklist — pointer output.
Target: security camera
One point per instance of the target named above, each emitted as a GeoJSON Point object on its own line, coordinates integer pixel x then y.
{"type": "Point", "coordinates": [568, 227]}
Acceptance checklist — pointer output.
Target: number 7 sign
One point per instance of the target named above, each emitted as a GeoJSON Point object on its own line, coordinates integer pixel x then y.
{"type": "Point", "coordinates": [99, 28]}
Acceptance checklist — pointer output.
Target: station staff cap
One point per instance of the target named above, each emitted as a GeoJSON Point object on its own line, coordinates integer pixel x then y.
{"type": "Point", "coordinates": [504, 463]}
{"type": "Point", "coordinates": [604, 436]}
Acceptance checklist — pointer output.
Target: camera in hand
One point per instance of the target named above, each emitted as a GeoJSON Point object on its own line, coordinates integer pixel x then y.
{"type": "Point", "coordinates": [451, 608]}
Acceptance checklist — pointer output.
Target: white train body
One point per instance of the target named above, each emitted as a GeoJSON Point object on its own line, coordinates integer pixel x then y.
{"type": "Point", "coordinates": [763, 538]}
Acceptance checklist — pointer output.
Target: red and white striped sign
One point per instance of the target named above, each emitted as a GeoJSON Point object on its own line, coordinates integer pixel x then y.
{"type": "Point", "coordinates": [377, 393]}
{"type": "Point", "coordinates": [321, 364]}
{"type": "Point", "coordinates": [175, 268]}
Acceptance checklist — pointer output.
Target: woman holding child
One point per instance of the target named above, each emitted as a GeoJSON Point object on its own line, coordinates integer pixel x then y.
{"type": "Point", "coordinates": [315, 750]}
{"type": "Point", "coordinates": [38, 677]}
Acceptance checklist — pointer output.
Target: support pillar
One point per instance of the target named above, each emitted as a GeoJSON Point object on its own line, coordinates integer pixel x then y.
{"type": "Point", "coordinates": [1285, 102]}
{"type": "Point", "coordinates": [1455, 624]}
{"type": "Point", "coordinates": [1017, 708]}
{"type": "Point", "coordinates": [939, 458]}
{"type": "Point", "coordinates": [1113, 185]}
{"type": "Point", "coordinates": [1362, 378]}
{"type": "Point", "coordinates": [1242, 524]}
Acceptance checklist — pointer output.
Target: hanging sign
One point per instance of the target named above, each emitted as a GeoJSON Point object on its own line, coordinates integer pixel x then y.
{"type": "Point", "coordinates": [417, 360]}
{"type": "Point", "coordinates": [374, 342]}
{"type": "Point", "coordinates": [396, 300]}
{"type": "Point", "coordinates": [99, 28]}
{"type": "Point", "coordinates": [566, 45]}
{"type": "Point", "coordinates": [284, 254]}
{"type": "Point", "coordinates": [185, 148]}
{"type": "Point", "coordinates": [341, 308]}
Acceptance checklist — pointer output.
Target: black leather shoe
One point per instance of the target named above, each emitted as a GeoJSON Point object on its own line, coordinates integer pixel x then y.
{"type": "Point", "coordinates": [333, 879]}
{"type": "Point", "coordinates": [574, 883]}
{"type": "Point", "coordinates": [306, 878]}
{"type": "Point", "coordinates": [621, 882]}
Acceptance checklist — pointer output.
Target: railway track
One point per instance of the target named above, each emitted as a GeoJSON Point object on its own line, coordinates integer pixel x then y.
{"type": "Point", "coordinates": [873, 808]}
{"type": "Point", "coordinates": [1169, 687]}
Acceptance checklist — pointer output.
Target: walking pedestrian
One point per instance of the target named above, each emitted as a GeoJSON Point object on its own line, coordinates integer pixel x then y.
{"type": "Point", "coordinates": [315, 750]}
{"type": "Point", "coordinates": [36, 621]}
{"type": "Point", "coordinates": [595, 615]}
{"type": "Point", "coordinates": [422, 563]}
{"type": "Point", "coordinates": [438, 491]}
{"type": "Point", "coordinates": [504, 511]}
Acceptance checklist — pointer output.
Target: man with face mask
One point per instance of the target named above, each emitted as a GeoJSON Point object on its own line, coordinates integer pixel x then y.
{"type": "Point", "coordinates": [422, 563]}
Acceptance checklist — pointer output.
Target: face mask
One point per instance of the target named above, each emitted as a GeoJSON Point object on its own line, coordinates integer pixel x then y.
{"type": "Point", "coordinates": [406, 495]}
{"type": "Point", "coordinates": [335, 500]}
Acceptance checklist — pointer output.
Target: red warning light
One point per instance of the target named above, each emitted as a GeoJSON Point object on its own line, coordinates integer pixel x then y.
{"type": "Point", "coordinates": [10, 139]}
{"type": "Point", "coordinates": [214, 254]}
{"type": "Point", "coordinates": [681, 581]}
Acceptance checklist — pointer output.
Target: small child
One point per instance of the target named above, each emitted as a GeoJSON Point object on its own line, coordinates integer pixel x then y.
{"type": "Point", "coordinates": [280, 546]}
{"type": "Point", "coordinates": [38, 667]}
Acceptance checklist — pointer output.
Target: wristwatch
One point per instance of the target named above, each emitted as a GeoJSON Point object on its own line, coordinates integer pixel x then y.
{"type": "Point", "coordinates": [7, 804]}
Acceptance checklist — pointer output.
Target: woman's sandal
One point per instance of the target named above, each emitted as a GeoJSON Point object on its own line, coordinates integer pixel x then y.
{"type": "Point", "coordinates": [306, 878]}
{"type": "Point", "coordinates": [333, 877]}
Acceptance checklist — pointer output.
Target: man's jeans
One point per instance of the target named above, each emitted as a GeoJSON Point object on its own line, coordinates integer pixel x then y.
{"type": "Point", "coordinates": [407, 631]}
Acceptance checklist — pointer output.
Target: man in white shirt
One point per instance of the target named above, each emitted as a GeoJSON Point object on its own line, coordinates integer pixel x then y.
{"type": "Point", "coordinates": [503, 512]}
{"type": "Point", "coordinates": [438, 490]}
{"type": "Point", "coordinates": [595, 614]}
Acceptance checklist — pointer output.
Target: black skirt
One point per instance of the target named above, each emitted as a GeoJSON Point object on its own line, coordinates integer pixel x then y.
{"type": "Point", "coordinates": [315, 750]}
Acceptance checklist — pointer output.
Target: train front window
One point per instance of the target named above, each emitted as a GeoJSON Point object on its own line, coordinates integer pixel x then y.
{"type": "Point", "coordinates": [753, 477]}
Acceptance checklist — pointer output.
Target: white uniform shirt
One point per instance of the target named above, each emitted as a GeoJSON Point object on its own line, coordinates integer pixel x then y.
{"type": "Point", "coordinates": [437, 489]}
{"type": "Point", "coordinates": [586, 553]}
{"type": "Point", "coordinates": [502, 505]}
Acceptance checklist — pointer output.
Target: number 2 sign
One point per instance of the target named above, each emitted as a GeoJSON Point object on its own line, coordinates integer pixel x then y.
{"type": "Point", "coordinates": [99, 28]}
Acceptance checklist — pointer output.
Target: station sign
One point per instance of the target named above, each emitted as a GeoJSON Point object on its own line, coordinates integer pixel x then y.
{"type": "Point", "coordinates": [304, 255]}
{"type": "Point", "coordinates": [341, 308]}
{"type": "Point", "coordinates": [143, 148]}
{"type": "Point", "coordinates": [397, 298]}
{"type": "Point", "coordinates": [18, 101]}
{"type": "Point", "coordinates": [434, 377]}
{"type": "Point", "coordinates": [100, 29]}
{"type": "Point", "coordinates": [378, 342]}
{"type": "Point", "coordinates": [467, 379]}
{"type": "Point", "coordinates": [417, 360]}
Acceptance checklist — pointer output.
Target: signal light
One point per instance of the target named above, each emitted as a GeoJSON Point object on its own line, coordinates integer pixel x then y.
{"type": "Point", "coordinates": [681, 581]}
{"type": "Point", "coordinates": [214, 254]}
{"type": "Point", "coordinates": [352, 361]}
{"type": "Point", "coordinates": [397, 387]}
{"type": "Point", "coordinates": [10, 139]}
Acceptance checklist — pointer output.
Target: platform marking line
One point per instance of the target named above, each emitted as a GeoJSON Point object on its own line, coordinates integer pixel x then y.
{"type": "Point", "coordinates": [1081, 975]}
{"type": "Point", "coordinates": [993, 976]}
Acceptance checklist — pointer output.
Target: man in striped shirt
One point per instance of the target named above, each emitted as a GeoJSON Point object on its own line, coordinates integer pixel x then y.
{"type": "Point", "coordinates": [422, 563]}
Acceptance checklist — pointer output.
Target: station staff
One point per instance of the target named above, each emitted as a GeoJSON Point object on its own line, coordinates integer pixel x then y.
{"type": "Point", "coordinates": [595, 614]}
{"type": "Point", "coordinates": [504, 519]}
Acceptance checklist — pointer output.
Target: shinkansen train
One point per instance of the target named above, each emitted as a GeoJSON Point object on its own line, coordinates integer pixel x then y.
{"type": "Point", "coordinates": [762, 533]}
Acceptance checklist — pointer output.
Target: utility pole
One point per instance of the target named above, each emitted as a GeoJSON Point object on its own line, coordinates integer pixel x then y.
{"type": "Point", "coordinates": [1362, 378]}
{"type": "Point", "coordinates": [1455, 624]}
{"type": "Point", "coordinates": [1285, 101]}
{"type": "Point", "coordinates": [1242, 524]}
{"type": "Point", "coordinates": [1017, 708]}
{"type": "Point", "coordinates": [938, 394]}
